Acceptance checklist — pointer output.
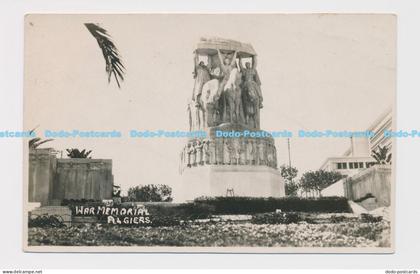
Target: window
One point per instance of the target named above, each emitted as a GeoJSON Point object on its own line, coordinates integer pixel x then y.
{"type": "Point", "coordinates": [369, 164]}
{"type": "Point", "coordinates": [341, 165]}
{"type": "Point", "coordinates": [351, 165]}
{"type": "Point", "coordinates": [361, 165]}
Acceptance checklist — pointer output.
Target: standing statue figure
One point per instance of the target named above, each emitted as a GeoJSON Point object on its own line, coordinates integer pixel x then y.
{"type": "Point", "coordinates": [212, 151]}
{"type": "Point", "coordinates": [193, 152]}
{"type": "Point", "coordinates": [249, 152]}
{"type": "Point", "coordinates": [226, 65]}
{"type": "Point", "coordinates": [242, 152]}
{"type": "Point", "coordinates": [226, 152]}
{"type": "Point", "coordinates": [252, 98]}
{"type": "Point", "coordinates": [189, 150]}
{"type": "Point", "coordinates": [206, 91]}
{"type": "Point", "coordinates": [201, 75]}
{"type": "Point", "coordinates": [219, 151]}
{"type": "Point", "coordinates": [199, 149]}
{"type": "Point", "coordinates": [181, 162]}
{"type": "Point", "coordinates": [206, 152]}
{"type": "Point", "coordinates": [235, 155]}
{"type": "Point", "coordinates": [229, 87]}
{"type": "Point", "coordinates": [195, 117]}
{"type": "Point", "coordinates": [274, 156]}
{"type": "Point", "coordinates": [270, 158]}
{"type": "Point", "coordinates": [261, 153]}
{"type": "Point", "coordinates": [252, 81]}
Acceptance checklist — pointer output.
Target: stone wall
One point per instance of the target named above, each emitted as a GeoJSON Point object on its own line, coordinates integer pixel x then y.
{"type": "Point", "coordinates": [336, 189]}
{"type": "Point", "coordinates": [52, 180]}
{"type": "Point", "coordinates": [375, 180]}
{"type": "Point", "coordinates": [83, 179]}
{"type": "Point", "coordinates": [42, 165]}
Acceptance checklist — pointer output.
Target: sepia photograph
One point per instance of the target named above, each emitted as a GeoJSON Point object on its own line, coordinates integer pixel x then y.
{"type": "Point", "coordinates": [237, 133]}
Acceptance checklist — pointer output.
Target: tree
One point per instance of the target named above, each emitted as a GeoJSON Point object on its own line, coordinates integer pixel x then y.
{"type": "Point", "coordinates": [382, 155]}
{"type": "Point", "coordinates": [116, 191]}
{"type": "Point", "coordinates": [36, 142]}
{"type": "Point", "coordinates": [291, 189]}
{"type": "Point", "coordinates": [150, 193]}
{"type": "Point", "coordinates": [113, 63]}
{"type": "Point", "coordinates": [289, 174]}
{"type": "Point", "coordinates": [314, 181]}
{"type": "Point", "coordinates": [76, 153]}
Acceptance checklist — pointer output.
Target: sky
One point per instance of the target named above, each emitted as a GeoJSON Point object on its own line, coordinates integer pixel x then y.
{"type": "Point", "coordinates": [318, 72]}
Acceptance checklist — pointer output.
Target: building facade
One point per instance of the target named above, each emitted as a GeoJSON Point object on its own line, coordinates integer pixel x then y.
{"type": "Point", "coordinates": [359, 155]}
{"type": "Point", "coordinates": [364, 176]}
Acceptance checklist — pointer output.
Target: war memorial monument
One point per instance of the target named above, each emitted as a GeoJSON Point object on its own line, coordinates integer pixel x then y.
{"type": "Point", "coordinates": [227, 98]}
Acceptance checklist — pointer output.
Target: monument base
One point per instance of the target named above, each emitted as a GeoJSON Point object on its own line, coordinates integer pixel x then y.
{"type": "Point", "coordinates": [231, 180]}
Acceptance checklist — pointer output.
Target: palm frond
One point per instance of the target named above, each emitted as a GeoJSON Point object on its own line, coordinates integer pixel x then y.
{"type": "Point", "coordinates": [113, 63]}
{"type": "Point", "coordinates": [36, 141]}
{"type": "Point", "coordinates": [76, 153]}
{"type": "Point", "coordinates": [40, 142]}
{"type": "Point", "coordinates": [382, 155]}
{"type": "Point", "coordinates": [33, 141]}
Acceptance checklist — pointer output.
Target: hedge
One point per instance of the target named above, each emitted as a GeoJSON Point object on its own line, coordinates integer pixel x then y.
{"type": "Point", "coordinates": [159, 211]}
{"type": "Point", "coordinates": [250, 205]}
{"type": "Point", "coordinates": [276, 218]}
{"type": "Point", "coordinates": [184, 210]}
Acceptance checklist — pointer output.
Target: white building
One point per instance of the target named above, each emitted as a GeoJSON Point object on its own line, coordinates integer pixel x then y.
{"type": "Point", "coordinates": [358, 156]}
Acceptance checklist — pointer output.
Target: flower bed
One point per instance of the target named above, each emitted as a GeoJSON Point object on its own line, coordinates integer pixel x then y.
{"type": "Point", "coordinates": [342, 234]}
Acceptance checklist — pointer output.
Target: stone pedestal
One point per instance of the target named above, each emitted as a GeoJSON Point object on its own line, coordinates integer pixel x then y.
{"type": "Point", "coordinates": [226, 180]}
{"type": "Point", "coordinates": [245, 165]}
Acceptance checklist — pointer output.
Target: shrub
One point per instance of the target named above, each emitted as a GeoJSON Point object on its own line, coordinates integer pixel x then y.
{"type": "Point", "coordinates": [337, 219]}
{"type": "Point", "coordinates": [367, 196]}
{"type": "Point", "coordinates": [276, 218]}
{"type": "Point", "coordinates": [158, 221]}
{"type": "Point", "coordinates": [184, 211]}
{"type": "Point", "coordinates": [45, 221]}
{"type": "Point", "coordinates": [150, 193]}
{"type": "Point", "coordinates": [368, 218]}
{"type": "Point", "coordinates": [250, 205]}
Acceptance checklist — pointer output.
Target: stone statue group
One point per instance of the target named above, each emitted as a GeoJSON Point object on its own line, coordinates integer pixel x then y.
{"type": "Point", "coordinates": [225, 91]}
{"type": "Point", "coordinates": [229, 151]}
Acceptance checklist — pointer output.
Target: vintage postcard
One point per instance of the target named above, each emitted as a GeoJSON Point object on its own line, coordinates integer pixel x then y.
{"type": "Point", "coordinates": [245, 133]}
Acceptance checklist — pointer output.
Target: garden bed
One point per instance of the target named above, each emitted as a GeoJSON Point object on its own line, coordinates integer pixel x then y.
{"type": "Point", "coordinates": [346, 232]}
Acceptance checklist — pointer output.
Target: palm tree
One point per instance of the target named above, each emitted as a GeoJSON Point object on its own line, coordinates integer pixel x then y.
{"type": "Point", "coordinates": [36, 142]}
{"type": "Point", "coordinates": [382, 155]}
{"type": "Point", "coordinates": [76, 153]}
{"type": "Point", "coordinates": [113, 63]}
